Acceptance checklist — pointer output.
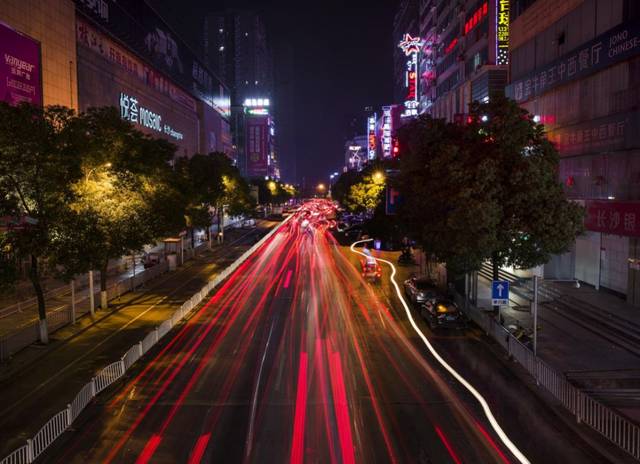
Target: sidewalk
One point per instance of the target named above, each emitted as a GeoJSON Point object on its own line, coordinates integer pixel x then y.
{"type": "Point", "coordinates": [591, 336]}
{"type": "Point", "coordinates": [40, 380]}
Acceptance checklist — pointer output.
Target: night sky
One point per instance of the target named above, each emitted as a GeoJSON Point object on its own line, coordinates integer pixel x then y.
{"type": "Point", "coordinates": [331, 61]}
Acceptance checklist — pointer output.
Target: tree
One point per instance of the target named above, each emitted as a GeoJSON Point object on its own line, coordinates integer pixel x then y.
{"type": "Point", "coordinates": [486, 190]}
{"type": "Point", "coordinates": [536, 219]}
{"type": "Point", "coordinates": [448, 193]}
{"type": "Point", "coordinates": [211, 182]}
{"type": "Point", "coordinates": [39, 163]}
{"type": "Point", "coordinates": [365, 195]}
{"type": "Point", "coordinates": [125, 199]}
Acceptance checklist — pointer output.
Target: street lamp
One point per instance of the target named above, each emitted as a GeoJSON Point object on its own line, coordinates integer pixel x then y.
{"type": "Point", "coordinates": [378, 177]}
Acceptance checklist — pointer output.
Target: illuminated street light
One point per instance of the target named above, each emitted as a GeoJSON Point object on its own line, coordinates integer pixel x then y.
{"type": "Point", "coordinates": [378, 177]}
{"type": "Point", "coordinates": [321, 187]}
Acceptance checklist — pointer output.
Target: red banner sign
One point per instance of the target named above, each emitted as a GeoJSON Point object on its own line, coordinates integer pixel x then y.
{"type": "Point", "coordinates": [613, 217]}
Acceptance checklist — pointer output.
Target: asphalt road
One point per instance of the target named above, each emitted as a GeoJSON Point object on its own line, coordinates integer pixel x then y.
{"type": "Point", "coordinates": [39, 381]}
{"type": "Point", "coordinates": [297, 359]}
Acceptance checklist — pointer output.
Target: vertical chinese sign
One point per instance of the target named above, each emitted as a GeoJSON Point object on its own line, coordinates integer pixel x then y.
{"type": "Point", "coordinates": [20, 79]}
{"type": "Point", "coordinates": [371, 132]}
{"type": "Point", "coordinates": [502, 32]}
{"type": "Point", "coordinates": [411, 47]}
{"type": "Point", "coordinates": [257, 146]}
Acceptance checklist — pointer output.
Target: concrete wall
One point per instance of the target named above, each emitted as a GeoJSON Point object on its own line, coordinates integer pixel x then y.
{"type": "Point", "coordinates": [52, 23]}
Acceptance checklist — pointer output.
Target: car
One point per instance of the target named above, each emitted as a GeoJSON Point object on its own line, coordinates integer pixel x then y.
{"type": "Point", "coordinates": [371, 270]}
{"type": "Point", "coordinates": [420, 289]}
{"type": "Point", "coordinates": [443, 312]}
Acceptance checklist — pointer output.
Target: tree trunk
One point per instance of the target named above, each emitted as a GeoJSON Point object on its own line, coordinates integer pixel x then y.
{"type": "Point", "coordinates": [34, 276]}
{"type": "Point", "coordinates": [103, 285]}
{"type": "Point", "coordinates": [495, 266]}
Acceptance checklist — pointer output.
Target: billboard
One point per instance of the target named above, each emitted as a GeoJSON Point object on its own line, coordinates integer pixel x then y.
{"type": "Point", "coordinates": [257, 146]}
{"type": "Point", "coordinates": [20, 69]}
{"type": "Point", "coordinates": [411, 47]}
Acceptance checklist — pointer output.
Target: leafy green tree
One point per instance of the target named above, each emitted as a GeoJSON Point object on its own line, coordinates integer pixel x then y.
{"type": "Point", "coordinates": [39, 163]}
{"type": "Point", "coordinates": [125, 199]}
{"type": "Point", "coordinates": [365, 195]}
{"type": "Point", "coordinates": [536, 220]}
{"type": "Point", "coordinates": [448, 193]}
{"type": "Point", "coordinates": [212, 181]}
{"type": "Point", "coordinates": [486, 190]}
{"type": "Point", "coordinates": [341, 187]}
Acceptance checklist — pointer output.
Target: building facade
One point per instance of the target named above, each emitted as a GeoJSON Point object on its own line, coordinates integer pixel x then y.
{"type": "Point", "coordinates": [129, 58]}
{"type": "Point", "coordinates": [39, 53]}
{"type": "Point", "coordinates": [575, 66]}
{"type": "Point", "coordinates": [236, 47]}
{"type": "Point", "coordinates": [472, 54]}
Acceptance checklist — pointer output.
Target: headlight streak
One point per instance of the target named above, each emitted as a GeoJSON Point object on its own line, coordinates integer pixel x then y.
{"type": "Point", "coordinates": [483, 403]}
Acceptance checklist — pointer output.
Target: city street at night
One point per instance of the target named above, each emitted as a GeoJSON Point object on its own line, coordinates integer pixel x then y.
{"type": "Point", "coordinates": [264, 231]}
{"type": "Point", "coordinates": [297, 359]}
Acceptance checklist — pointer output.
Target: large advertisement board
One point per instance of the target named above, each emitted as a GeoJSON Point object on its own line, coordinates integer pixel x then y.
{"type": "Point", "coordinates": [20, 69]}
{"type": "Point", "coordinates": [257, 146]}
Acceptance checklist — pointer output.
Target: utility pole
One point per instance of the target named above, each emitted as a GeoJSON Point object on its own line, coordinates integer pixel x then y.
{"type": "Point", "coordinates": [535, 315]}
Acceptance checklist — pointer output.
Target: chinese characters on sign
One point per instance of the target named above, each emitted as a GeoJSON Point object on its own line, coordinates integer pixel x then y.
{"type": "Point", "coordinates": [605, 134]}
{"type": "Point", "coordinates": [19, 68]}
{"type": "Point", "coordinates": [411, 47]}
{"type": "Point", "coordinates": [618, 44]}
{"type": "Point", "coordinates": [371, 131]}
{"type": "Point", "coordinates": [132, 111]}
{"type": "Point", "coordinates": [109, 50]}
{"type": "Point", "coordinates": [502, 32]}
{"type": "Point", "coordinates": [386, 131]}
{"type": "Point", "coordinates": [613, 217]}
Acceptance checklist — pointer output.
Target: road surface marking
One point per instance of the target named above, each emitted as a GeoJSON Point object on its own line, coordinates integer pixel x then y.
{"type": "Point", "coordinates": [483, 403]}
{"type": "Point", "coordinates": [254, 399]}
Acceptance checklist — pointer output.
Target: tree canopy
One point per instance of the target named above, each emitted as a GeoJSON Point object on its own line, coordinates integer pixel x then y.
{"type": "Point", "coordinates": [485, 190]}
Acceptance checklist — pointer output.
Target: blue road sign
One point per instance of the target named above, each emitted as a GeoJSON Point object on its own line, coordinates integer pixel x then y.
{"type": "Point", "coordinates": [500, 292]}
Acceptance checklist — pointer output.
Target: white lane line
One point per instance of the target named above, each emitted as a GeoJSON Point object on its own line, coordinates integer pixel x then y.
{"type": "Point", "coordinates": [485, 406]}
{"type": "Point", "coordinates": [254, 399]}
{"type": "Point", "coordinates": [382, 320]}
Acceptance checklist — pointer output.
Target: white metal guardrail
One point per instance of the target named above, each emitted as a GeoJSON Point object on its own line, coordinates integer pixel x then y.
{"type": "Point", "coordinates": [59, 423]}
{"type": "Point", "coordinates": [616, 428]}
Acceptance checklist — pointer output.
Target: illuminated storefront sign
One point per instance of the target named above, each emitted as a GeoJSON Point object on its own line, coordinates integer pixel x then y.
{"type": "Point", "coordinates": [386, 131]}
{"type": "Point", "coordinates": [131, 110]}
{"type": "Point", "coordinates": [502, 32]}
{"type": "Point", "coordinates": [411, 47]}
{"type": "Point", "coordinates": [371, 132]}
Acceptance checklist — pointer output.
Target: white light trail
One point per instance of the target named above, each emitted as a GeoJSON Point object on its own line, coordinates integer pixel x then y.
{"type": "Point", "coordinates": [485, 406]}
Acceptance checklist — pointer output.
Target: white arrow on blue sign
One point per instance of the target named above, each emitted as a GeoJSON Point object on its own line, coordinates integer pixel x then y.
{"type": "Point", "coordinates": [499, 292]}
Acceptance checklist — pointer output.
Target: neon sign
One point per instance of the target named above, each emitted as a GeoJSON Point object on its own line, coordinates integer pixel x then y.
{"type": "Point", "coordinates": [502, 32]}
{"type": "Point", "coordinates": [132, 111]}
{"type": "Point", "coordinates": [411, 83]}
{"type": "Point", "coordinates": [410, 45]}
{"type": "Point", "coordinates": [477, 16]}
{"type": "Point", "coordinates": [386, 131]}
{"type": "Point", "coordinates": [371, 130]}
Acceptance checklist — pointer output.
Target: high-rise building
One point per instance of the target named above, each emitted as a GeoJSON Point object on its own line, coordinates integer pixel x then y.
{"type": "Point", "coordinates": [236, 47]}
{"type": "Point", "coordinates": [427, 69]}
{"type": "Point", "coordinates": [472, 54]}
{"type": "Point", "coordinates": [575, 65]}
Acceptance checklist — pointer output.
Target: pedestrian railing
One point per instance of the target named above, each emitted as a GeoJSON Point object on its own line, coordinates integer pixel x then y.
{"type": "Point", "coordinates": [25, 336]}
{"type": "Point", "coordinates": [613, 426]}
{"type": "Point", "coordinates": [59, 423]}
